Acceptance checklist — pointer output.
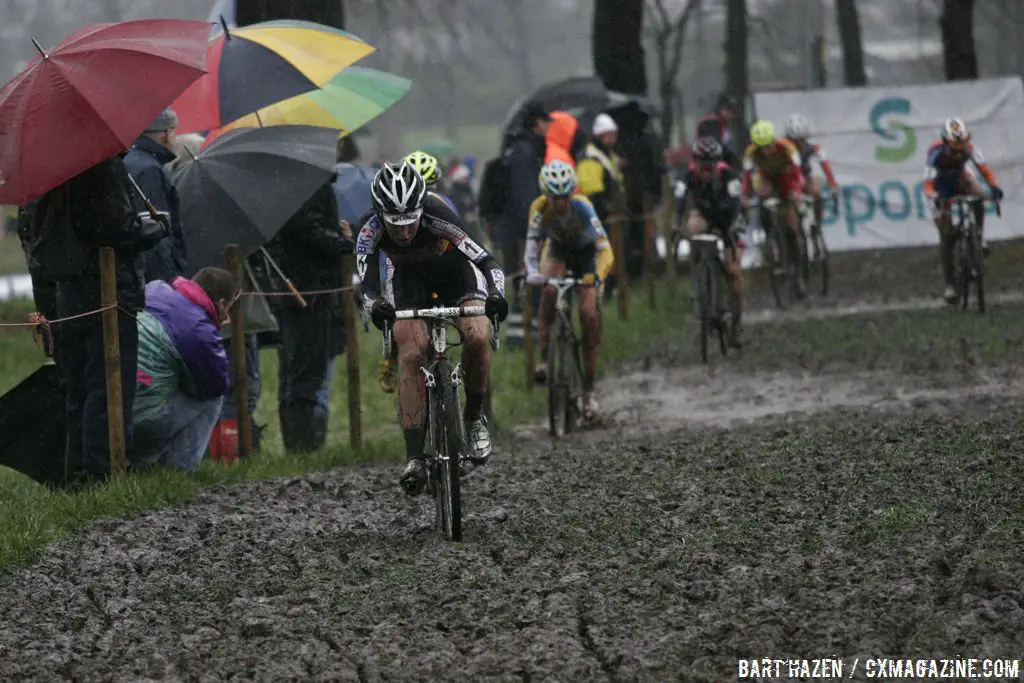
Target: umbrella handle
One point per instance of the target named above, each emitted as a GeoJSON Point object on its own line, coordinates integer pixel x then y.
{"type": "Point", "coordinates": [298, 297]}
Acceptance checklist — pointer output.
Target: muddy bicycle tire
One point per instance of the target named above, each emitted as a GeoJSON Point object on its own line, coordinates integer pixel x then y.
{"type": "Point", "coordinates": [558, 390]}
{"type": "Point", "coordinates": [779, 271]}
{"type": "Point", "coordinates": [705, 303]}
{"type": "Point", "coordinates": [449, 442]}
{"type": "Point", "coordinates": [976, 262]}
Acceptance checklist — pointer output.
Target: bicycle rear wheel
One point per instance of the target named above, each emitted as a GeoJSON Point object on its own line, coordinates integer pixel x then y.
{"type": "Point", "coordinates": [778, 251]}
{"type": "Point", "coordinates": [448, 438]}
{"type": "Point", "coordinates": [558, 385]}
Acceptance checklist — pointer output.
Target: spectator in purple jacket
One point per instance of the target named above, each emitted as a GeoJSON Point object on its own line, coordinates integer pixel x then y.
{"type": "Point", "coordinates": [183, 371]}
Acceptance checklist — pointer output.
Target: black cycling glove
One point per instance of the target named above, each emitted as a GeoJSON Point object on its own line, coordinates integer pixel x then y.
{"type": "Point", "coordinates": [496, 306]}
{"type": "Point", "coordinates": [382, 312]}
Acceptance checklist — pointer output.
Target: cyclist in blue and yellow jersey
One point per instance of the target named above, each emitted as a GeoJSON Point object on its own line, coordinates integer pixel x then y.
{"type": "Point", "coordinates": [564, 233]}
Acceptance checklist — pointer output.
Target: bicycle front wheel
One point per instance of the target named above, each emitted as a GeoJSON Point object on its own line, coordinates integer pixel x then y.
{"type": "Point", "coordinates": [778, 249]}
{"type": "Point", "coordinates": [705, 304]}
{"type": "Point", "coordinates": [976, 261]}
{"type": "Point", "coordinates": [448, 435]}
{"type": "Point", "coordinates": [962, 270]}
{"type": "Point", "coordinates": [558, 379]}
{"type": "Point", "coordinates": [821, 258]}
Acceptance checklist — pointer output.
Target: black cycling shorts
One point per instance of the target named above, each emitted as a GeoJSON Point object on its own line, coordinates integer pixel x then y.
{"type": "Point", "coordinates": [454, 281]}
{"type": "Point", "coordinates": [577, 261]}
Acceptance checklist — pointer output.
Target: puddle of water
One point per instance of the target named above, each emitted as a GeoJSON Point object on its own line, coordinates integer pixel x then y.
{"type": "Point", "coordinates": [762, 317]}
{"type": "Point", "coordinates": [673, 398]}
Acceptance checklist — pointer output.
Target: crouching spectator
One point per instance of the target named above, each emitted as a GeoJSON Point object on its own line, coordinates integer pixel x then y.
{"type": "Point", "coordinates": [183, 370]}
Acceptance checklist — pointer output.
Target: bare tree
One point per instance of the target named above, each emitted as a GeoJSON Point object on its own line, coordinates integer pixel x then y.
{"type": "Point", "coordinates": [617, 45]}
{"type": "Point", "coordinates": [853, 46]}
{"type": "Point", "coordinates": [669, 38]}
{"type": "Point", "coordinates": [737, 78]}
{"type": "Point", "coordinates": [958, 52]}
{"type": "Point", "coordinates": [327, 12]}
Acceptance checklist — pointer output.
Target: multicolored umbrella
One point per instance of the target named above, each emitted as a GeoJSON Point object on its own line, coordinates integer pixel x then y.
{"type": "Point", "coordinates": [259, 65]}
{"type": "Point", "coordinates": [347, 102]}
{"type": "Point", "coordinates": [90, 97]}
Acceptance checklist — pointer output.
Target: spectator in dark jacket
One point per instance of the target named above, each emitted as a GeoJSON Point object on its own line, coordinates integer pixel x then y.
{"type": "Point", "coordinates": [309, 249]}
{"type": "Point", "coordinates": [93, 209]}
{"type": "Point", "coordinates": [44, 289]}
{"type": "Point", "coordinates": [718, 124]}
{"type": "Point", "coordinates": [145, 161]}
{"type": "Point", "coordinates": [524, 152]}
{"type": "Point", "coordinates": [524, 156]}
{"type": "Point", "coordinates": [183, 370]}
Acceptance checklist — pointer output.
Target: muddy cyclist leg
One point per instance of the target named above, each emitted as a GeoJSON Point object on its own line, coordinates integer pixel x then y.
{"type": "Point", "coordinates": [412, 340]}
{"type": "Point", "coordinates": [476, 359]}
{"type": "Point", "coordinates": [549, 268]}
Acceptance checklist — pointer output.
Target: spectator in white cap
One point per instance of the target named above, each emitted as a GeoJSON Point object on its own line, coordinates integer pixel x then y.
{"type": "Point", "coordinates": [155, 148]}
{"type": "Point", "coordinates": [599, 172]}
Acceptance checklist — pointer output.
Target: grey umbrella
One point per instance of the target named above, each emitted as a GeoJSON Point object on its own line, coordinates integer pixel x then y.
{"type": "Point", "coordinates": [247, 184]}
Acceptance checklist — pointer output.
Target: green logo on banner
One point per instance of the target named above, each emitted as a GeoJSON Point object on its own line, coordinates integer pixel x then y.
{"type": "Point", "coordinates": [896, 131]}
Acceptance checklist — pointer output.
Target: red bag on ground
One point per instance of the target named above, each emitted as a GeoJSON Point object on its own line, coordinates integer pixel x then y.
{"type": "Point", "coordinates": [224, 441]}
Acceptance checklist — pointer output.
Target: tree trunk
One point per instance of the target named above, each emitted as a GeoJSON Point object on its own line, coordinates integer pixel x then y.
{"type": "Point", "coordinates": [737, 78]}
{"type": "Point", "coordinates": [958, 53]}
{"type": "Point", "coordinates": [668, 111]}
{"type": "Point", "coordinates": [327, 12]}
{"type": "Point", "coordinates": [853, 46]}
{"type": "Point", "coordinates": [617, 45]}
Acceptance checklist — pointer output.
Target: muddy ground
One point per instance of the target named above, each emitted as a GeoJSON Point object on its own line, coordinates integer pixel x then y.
{"type": "Point", "coordinates": [850, 486]}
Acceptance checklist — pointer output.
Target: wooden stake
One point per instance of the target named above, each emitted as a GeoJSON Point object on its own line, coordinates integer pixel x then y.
{"type": "Point", "coordinates": [649, 237]}
{"type": "Point", "coordinates": [617, 221]}
{"type": "Point", "coordinates": [233, 261]}
{"type": "Point", "coordinates": [348, 301]}
{"type": "Point", "coordinates": [112, 349]}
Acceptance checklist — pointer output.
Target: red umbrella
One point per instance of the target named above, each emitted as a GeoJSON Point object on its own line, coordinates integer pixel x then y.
{"type": "Point", "coordinates": [90, 98]}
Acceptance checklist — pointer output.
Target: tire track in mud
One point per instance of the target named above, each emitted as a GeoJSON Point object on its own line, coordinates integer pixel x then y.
{"type": "Point", "coordinates": [742, 515]}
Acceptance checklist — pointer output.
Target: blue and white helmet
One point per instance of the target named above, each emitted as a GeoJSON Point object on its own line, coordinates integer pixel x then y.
{"type": "Point", "coordinates": [557, 179]}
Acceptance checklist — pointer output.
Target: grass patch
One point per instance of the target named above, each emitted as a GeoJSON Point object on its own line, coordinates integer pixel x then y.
{"type": "Point", "coordinates": [12, 258]}
{"type": "Point", "coordinates": [34, 517]}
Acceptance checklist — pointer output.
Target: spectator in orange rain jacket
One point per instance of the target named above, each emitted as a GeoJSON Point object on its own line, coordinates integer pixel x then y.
{"type": "Point", "coordinates": [560, 137]}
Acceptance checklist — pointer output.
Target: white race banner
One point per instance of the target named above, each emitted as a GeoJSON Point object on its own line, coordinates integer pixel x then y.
{"type": "Point", "coordinates": [877, 140]}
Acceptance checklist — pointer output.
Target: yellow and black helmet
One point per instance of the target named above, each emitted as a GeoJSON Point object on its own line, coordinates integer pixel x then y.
{"type": "Point", "coordinates": [427, 166]}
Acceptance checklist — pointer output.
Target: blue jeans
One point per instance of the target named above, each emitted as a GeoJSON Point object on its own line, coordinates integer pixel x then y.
{"type": "Point", "coordinates": [178, 437]}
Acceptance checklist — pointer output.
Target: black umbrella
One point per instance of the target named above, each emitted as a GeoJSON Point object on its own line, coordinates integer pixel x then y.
{"type": "Point", "coordinates": [582, 96]}
{"type": "Point", "coordinates": [247, 184]}
{"type": "Point", "coordinates": [32, 427]}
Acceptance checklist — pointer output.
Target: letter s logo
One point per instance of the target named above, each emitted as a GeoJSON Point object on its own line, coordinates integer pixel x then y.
{"type": "Point", "coordinates": [896, 131]}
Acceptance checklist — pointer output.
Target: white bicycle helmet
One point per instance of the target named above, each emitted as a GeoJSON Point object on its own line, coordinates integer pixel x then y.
{"type": "Point", "coordinates": [954, 132]}
{"type": "Point", "coordinates": [797, 127]}
{"type": "Point", "coordinates": [398, 192]}
{"type": "Point", "coordinates": [557, 179]}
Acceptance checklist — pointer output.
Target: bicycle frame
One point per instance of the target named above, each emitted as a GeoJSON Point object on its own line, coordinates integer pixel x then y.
{"type": "Point", "coordinates": [443, 413]}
